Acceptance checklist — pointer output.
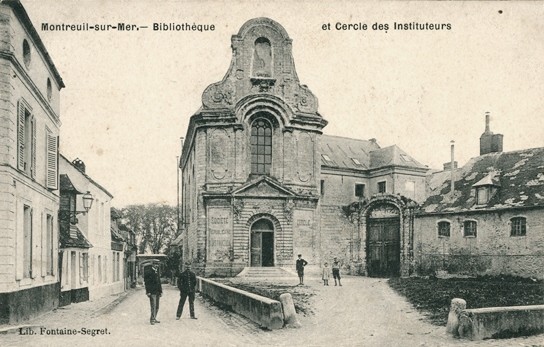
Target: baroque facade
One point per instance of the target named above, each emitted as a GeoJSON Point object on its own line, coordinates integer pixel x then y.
{"type": "Point", "coordinates": [261, 183]}
{"type": "Point", "coordinates": [29, 130]}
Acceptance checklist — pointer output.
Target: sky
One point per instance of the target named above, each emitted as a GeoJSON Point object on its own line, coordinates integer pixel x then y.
{"type": "Point", "coordinates": [129, 95]}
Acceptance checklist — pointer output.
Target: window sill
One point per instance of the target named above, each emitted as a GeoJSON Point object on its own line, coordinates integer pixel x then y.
{"type": "Point", "coordinates": [469, 237]}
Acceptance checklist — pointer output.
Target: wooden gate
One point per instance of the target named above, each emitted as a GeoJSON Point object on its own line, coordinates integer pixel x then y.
{"type": "Point", "coordinates": [383, 247]}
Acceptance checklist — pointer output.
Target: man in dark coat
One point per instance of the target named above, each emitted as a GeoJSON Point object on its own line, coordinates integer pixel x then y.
{"type": "Point", "coordinates": [301, 263]}
{"type": "Point", "coordinates": [187, 288]}
{"type": "Point", "coordinates": [153, 289]}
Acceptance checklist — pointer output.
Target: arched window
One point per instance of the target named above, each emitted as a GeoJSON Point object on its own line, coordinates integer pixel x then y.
{"type": "Point", "coordinates": [261, 147]}
{"type": "Point", "coordinates": [444, 229]}
{"type": "Point", "coordinates": [518, 226]}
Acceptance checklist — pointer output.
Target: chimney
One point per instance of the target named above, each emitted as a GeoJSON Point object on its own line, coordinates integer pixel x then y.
{"type": "Point", "coordinates": [487, 116]}
{"type": "Point", "coordinates": [489, 142]}
{"type": "Point", "coordinates": [79, 164]}
{"type": "Point", "coordinates": [452, 166]}
{"type": "Point", "coordinates": [447, 166]}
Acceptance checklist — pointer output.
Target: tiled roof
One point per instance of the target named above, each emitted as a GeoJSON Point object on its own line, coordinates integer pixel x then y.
{"type": "Point", "coordinates": [392, 155]}
{"type": "Point", "coordinates": [116, 235]}
{"type": "Point", "coordinates": [87, 176]}
{"type": "Point", "coordinates": [339, 152]}
{"type": "Point", "coordinates": [66, 185]}
{"type": "Point", "coordinates": [518, 177]}
{"type": "Point", "coordinates": [347, 153]}
{"type": "Point", "coordinates": [71, 236]}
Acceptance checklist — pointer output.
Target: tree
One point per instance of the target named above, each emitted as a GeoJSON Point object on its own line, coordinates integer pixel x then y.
{"type": "Point", "coordinates": [154, 224]}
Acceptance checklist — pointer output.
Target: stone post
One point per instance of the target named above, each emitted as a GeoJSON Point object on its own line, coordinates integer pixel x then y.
{"type": "Point", "coordinates": [457, 305]}
{"type": "Point", "coordinates": [289, 312]}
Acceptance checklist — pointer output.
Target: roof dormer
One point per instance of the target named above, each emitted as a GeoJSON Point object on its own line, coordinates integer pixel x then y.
{"type": "Point", "coordinates": [486, 188]}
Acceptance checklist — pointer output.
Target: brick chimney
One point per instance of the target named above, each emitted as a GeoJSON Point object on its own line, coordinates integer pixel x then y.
{"type": "Point", "coordinates": [79, 164]}
{"type": "Point", "coordinates": [489, 142]}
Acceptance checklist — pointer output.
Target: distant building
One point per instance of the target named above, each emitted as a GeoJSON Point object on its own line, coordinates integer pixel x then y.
{"type": "Point", "coordinates": [261, 183]}
{"type": "Point", "coordinates": [29, 131]}
{"type": "Point", "coordinates": [101, 269]}
{"type": "Point", "coordinates": [124, 238]}
{"type": "Point", "coordinates": [492, 223]}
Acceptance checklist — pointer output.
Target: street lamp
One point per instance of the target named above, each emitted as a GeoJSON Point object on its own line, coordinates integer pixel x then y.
{"type": "Point", "coordinates": [70, 215]}
{"type": "Point", "coordinates": [87, 201]}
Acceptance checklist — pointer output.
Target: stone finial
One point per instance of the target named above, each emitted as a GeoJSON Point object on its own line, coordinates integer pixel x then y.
{"type": "Point", "coordinates": [457, 306]}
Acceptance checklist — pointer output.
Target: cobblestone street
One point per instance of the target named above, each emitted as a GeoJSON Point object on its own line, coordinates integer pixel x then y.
{"type": "Point", "coordinates": [363, 312]}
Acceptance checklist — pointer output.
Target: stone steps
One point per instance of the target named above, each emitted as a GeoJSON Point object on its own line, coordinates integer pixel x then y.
{"type": "Point", "coordinates": [265, 272]}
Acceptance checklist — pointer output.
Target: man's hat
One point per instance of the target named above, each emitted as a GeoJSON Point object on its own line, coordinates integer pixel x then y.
{"type": "Point", "coordinates": [300, 255]}
{"type": "Point", "coordinates": [187, 263]}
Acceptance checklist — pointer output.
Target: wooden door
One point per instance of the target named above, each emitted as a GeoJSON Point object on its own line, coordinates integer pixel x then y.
{"type": "Point", "coordinates": [383, 247]}
{"type": "Point", "coordinates": [256, 249]}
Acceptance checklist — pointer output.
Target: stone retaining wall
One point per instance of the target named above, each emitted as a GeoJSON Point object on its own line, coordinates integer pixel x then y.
{"type": "Point", "coordinates": [263, 311]}
{"type": "Point", "coordinates": [501, 322]}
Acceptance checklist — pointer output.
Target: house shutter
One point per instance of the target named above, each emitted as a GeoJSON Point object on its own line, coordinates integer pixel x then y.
{"type": "Point", "coordinates": [19, 237]}
{"type": "Point", "coordinates": [33, 162]}
{"type": "Point", "coordinates": [33, 267]}
{"type": "Point", "coordinates": [81, 274]}
{"type": "Point", "coordinates": [44, 249]}
{"type": "Point", "coordinates": [52, 153]}
{"type": "Point", "coordinates": [21, 136]}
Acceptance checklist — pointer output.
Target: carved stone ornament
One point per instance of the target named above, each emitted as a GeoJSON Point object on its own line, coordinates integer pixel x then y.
{"type": "Point", "coordinates": [384, 211]}
{"type": "Point", "coordinates": [263, 84]}
{"type": "Point", "coordinates": [237, 206]}
{"type": "Point", "coordinates": [220, 94]}
{"type": "Point", "coordinates": [304, 100]}
{"type": "Point", "coordinates": [288, 207]}
{"type": "Point", "coordinates": [262, 208]}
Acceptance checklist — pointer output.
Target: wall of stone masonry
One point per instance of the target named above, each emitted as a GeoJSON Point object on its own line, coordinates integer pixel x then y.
{"type": "Point", "coordinates": [492, 252]}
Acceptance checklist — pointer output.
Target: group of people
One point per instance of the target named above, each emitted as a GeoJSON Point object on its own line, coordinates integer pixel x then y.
{"type": "Point", "coordinates": [187, 288]}
{"type": "Point", "coordinates": [326, 271]}
{"type": "Point", "coordinates": [187, 285]}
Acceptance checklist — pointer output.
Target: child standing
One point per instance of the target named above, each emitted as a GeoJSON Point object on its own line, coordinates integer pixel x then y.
{"type": "Point", "coordinates": [326, 274]}
{"type": "Point", "coordinates": [336, 271]}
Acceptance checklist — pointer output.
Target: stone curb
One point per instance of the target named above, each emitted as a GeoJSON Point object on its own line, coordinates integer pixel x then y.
{"type": "Point", "coordinates": [107, 307]}
{"type": "Point", "coordinates": [112, 304]}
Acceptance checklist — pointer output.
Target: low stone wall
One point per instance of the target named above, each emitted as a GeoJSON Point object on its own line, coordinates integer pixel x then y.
{"type": "Point", "coordinates": [263, 311]}
{"type": "Point", "coordinates": [494, 322]}
{"type": "Point", "coordinates": [502, 322]}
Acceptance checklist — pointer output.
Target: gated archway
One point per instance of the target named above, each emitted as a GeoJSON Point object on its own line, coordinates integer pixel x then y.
{"type": "Point", "coordinates": [383, 241]}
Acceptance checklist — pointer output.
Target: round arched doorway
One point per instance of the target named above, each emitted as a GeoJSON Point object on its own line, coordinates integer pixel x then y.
{"type": "Point", "coordinates": [262, 243]}
{"type": "Point", "coordinates": [383, 241]}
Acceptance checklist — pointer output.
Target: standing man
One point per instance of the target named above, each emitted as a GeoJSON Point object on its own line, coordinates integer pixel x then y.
{"type": "Point", "coordinates": [336, 271]}
{"type": "Point", "coordinates": [153, 289]}
{"type": "Point", "coordinates": [301, 263]}
{"type": "Point", "coordinates": [187, 288]}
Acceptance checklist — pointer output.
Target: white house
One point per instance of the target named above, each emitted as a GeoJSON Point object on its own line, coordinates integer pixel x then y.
{"type": "Point", "coordinates": [29, 130]}
{"type": "Point", "coordinates": [98, 268]}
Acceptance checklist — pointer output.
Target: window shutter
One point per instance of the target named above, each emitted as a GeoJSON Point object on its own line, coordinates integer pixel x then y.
{"type": "Point", "coordinates": [44, 249]}
{"type": "Point", "coordinates": [21, 136]}
{"type": "Point", "coordinates": [81, 268]}
{"type": "Point", "coordinates": [33, 269]}
{"type": "Point", "coordinates": [19, 268]}
{"type": "Point", "coordinates": [52, 151]}
{"type": "Point", "coordinates": [33, 162]}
